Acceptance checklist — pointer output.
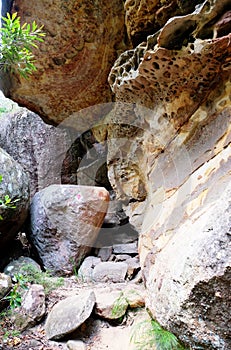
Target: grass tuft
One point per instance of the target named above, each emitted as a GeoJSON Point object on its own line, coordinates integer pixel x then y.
{"type": "Point", "coordinates": [149, 335]}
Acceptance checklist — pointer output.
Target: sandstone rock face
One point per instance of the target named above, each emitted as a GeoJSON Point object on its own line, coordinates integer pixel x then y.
{"type": "Point", "coordinates": [169, 160]}
{"type": "Point", "coordinates": [14, 184]}
{"type": "Point", "coordinates": [82, 39]}
{"type": "Point", "coordinates": [65, 221]}
{"type": "Point", "coordinates": [167, 99]}
{"type": "Point", "coordinates": [38, 147]}
{"type": "Point", "coordinates": [69, 314]}
{"type": "Point", "coordinates": [189, 280]}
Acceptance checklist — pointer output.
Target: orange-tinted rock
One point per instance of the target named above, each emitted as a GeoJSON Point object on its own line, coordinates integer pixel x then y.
{"type": "Point", "coordinates": [82, 39]}
{"type": "Point", "coordinates": [171, 131]}
{"type": "Point", "coordinates": [163, 92]}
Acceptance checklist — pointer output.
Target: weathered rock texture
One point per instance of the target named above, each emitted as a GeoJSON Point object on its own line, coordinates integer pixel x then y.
{"type": "Point", "coordinates": [65, 221]}
{"type": "Point", "coordinates": [147, 17]}
{"type": "Point", "coordinates": [169, 161]}
{"type": "Point", "coordinates": [81, 44]}
{"type": "Point", "coordinates": [69, 314]}
{"type": "Point", "coordinates": [169, 97]}
{"type": "Point", "coordinates": [15, 184]}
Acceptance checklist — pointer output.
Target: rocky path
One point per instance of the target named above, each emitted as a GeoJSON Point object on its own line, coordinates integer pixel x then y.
{"type": "Point", "coordinates": [107, 300]}
{"type": "Point", "coordinates": [97, 332]}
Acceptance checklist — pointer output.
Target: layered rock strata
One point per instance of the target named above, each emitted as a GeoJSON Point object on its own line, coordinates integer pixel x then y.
{"type": "Point", "coordinates": [169, 160]}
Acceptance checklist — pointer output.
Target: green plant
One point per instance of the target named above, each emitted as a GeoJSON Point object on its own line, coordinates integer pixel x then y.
{"type": "Point", "coordinates": [11, 333]}
{"type": "Point", "coordinates": [17, 43]}
{"type": "Point", "coordinates": [30, 274]}
{"type": "Point", "coordinates": [126, 299]}
{"type": "Point", "coordinates": [119, 307]}
{"type": "Point", "coordinates": [33, 275]}
{"type": "Point", "coordinates": [8, 334]}
{"type": "Point", "coordinates": [6, 201]}
{"type": "Point", "coordinates": [3, 110]}
{"type": "Point", "coordinates": [15, 295]}
{"type": "Point", "coordinates": [149, 335]}
{"type": "Point", "coordinates": [74, 267]}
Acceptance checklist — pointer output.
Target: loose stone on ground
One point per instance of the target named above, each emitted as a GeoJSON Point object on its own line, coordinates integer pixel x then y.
{"type": "Point", "coordinates": [69, 314]}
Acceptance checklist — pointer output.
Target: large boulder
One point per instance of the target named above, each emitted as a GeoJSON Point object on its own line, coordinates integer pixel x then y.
{"type": "Point", "coordinates": [66, 154]}
{"type": "Point", "coordinates": [81, 44]}
{"type": "Point", "coordinates": [65, 221]}
{"type": "Point", "coordinates": [15, 184]}
{"type": "Point", "coordinates": [38, 147]}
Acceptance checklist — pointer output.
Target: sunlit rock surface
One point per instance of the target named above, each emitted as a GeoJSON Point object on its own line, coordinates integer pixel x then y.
{"type": "Point", "coordinates": [169, 160]}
